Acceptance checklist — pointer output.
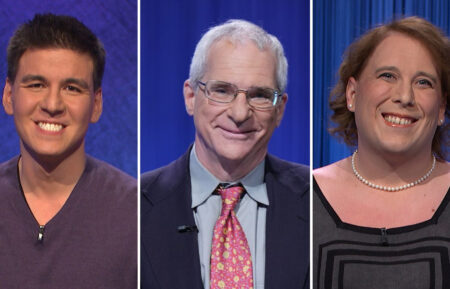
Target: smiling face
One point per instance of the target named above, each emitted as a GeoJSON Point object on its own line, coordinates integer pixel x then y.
{"type": "Point", "coordinates": [397, 99]}
{"type": "Point", "coordinates": [53, 101]}
{"type": "Point", "coordinates": [234, 132]}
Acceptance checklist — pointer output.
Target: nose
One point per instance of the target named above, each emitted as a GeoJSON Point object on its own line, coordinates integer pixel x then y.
{"type": "Point", "coordinates": [239, 110]}
{"type": "Point", "coordinates": [404, 94]}
{"type": "Point", "coordinates": [52, 103]}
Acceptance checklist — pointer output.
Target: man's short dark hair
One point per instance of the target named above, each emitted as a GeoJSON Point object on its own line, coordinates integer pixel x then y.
{"type": "Point", "coordinates": [56, 31]}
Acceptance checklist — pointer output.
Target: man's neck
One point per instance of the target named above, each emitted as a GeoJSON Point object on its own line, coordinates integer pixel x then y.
{"type": "Point", "coordinates": [47, 177]}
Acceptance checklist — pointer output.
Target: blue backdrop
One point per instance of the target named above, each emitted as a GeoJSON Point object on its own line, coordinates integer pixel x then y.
{"type": "Point", "coordinates": [114, 138]}
{"type": "Point", "coordinates": [336, 23]}
{"type": "Point", "coordinates": [169, 32]}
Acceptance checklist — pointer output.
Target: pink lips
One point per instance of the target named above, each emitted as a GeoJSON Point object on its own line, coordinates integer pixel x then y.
{"type": "Point", "coordinates": [236, 134]}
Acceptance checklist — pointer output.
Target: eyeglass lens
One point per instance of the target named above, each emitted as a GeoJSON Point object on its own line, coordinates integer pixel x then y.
{"type": "Point", "coordinates": [226, 92]}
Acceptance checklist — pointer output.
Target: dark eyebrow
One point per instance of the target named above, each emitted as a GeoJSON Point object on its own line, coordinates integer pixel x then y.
{"type": "Point", "coordinates": [33, 77]}
{"type": "Point", "coordinates": [83, 84]}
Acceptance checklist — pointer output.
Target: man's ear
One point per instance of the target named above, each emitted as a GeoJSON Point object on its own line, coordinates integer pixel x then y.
{"type": "Point", "coordinates": [189, 97]}
{"type": "Point", "coordinates": [280, 108]}
{"type": "Point", "coordinates": [7, 97]}
{"type": "Point", "coordinates": [98, 105]}
{"type": "Point", "coordinates": [350, 93]}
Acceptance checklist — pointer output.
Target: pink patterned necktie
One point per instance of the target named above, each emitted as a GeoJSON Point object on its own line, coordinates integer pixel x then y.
{"type": "Point", "coordinates": [231, 261]}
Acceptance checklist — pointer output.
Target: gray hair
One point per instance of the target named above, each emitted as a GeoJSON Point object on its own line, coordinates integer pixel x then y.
{"type": "Point", "coordinates": [237, 31]}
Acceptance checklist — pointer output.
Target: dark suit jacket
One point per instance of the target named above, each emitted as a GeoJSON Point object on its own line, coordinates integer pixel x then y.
{"type": "Point", "coordinates": [170, 259]}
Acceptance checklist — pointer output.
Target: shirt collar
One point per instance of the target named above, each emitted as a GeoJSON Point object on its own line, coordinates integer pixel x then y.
{"type": "Point", "coordinates": [203, 183]}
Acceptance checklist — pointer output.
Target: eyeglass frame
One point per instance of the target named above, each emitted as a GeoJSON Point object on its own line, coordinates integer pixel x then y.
{"type": "Point", "coordinates": [278, 94]}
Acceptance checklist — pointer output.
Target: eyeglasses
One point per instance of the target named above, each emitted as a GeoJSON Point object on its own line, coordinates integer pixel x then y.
{"type": "Point", "coordinates": [257, 97]}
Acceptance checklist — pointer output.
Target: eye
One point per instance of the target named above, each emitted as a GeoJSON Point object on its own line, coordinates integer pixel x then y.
{"type": "Point", "coordinates": [35, 85]}
{"type": "Point", "coordinates": [387, 76]}
{"type": "Point", "coordinates": [72, 88]}
{"type": "Point", "coordinates": [260, 94]}
{"type": "Point", "coordinates": [219, 89]}
{"type": "Point", "coordinates": [424, 83]}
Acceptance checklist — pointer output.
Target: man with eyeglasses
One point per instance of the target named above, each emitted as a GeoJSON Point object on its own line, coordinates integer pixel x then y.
{"type": "Point", "coordinates": [227, 214]}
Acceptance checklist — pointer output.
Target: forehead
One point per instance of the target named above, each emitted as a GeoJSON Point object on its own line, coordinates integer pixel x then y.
{"type": "Point", "coordinates": [399, 49]}
{"type": "Point", "coordinates": [55, 63]}
{"type": "Point", "coordinates": [242, 63]}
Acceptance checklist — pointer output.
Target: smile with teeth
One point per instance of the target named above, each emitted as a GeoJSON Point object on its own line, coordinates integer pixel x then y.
{"type": "Point", "coordinates": [53, 127]}
{"type": "Point", "coordinates": [398, 120]}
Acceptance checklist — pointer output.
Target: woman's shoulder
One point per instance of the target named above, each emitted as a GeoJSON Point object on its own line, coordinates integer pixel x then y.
{"type": "Point", "coordinates": [335, 179]}
{"type": "Point", "coordinates": [333, 172]}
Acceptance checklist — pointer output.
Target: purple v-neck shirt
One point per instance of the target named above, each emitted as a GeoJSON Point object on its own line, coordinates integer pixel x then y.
{"type": "Point", "coordinates": [90, 243]}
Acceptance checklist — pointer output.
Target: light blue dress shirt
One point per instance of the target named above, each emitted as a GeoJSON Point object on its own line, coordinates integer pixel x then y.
{"type": "Point", "coordinates": [250, 211]}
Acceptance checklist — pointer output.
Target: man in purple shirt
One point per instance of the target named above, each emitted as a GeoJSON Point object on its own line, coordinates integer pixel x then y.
{"type": "Point", "coordinates": [67, 220]}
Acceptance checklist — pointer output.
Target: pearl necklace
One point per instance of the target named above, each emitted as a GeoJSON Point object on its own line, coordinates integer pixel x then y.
{"type": "Point", "coordinates": [386, 188]}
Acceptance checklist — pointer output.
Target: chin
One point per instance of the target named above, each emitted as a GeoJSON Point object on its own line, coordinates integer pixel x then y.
{"type": "Point", "coordinates": [50, 150]}
{"type": "Point", "coordinates": [47, 154]}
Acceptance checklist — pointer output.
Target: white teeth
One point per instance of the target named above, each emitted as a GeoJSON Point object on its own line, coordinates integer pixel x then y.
{"type": "Point", "coordinates": [50, 126]}
{"type": "Point", "coordinates": [397, 120]}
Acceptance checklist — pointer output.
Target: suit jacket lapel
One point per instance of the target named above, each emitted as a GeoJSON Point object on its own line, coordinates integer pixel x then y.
{"type": "Point", "coordinates": [287, 227]}
{"type": "Point", "coordinates": [170, 252]}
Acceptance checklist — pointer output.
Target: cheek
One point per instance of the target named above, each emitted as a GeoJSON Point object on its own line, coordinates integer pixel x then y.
{"type": "Point", "coordinates": [432, 103]}
{"type": "Point", "coordinates": [266, 121]}
{"type": "Point", "coordinates": [428, 102]}
{"type": "Point", "coordinates": [206, 112]}
{"type": "Point", "coordinates": [80, 111]}
{"type": "Point", "coordinates": [22, 106]}
{"type": "Point", "coordinates": [372, 93]}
